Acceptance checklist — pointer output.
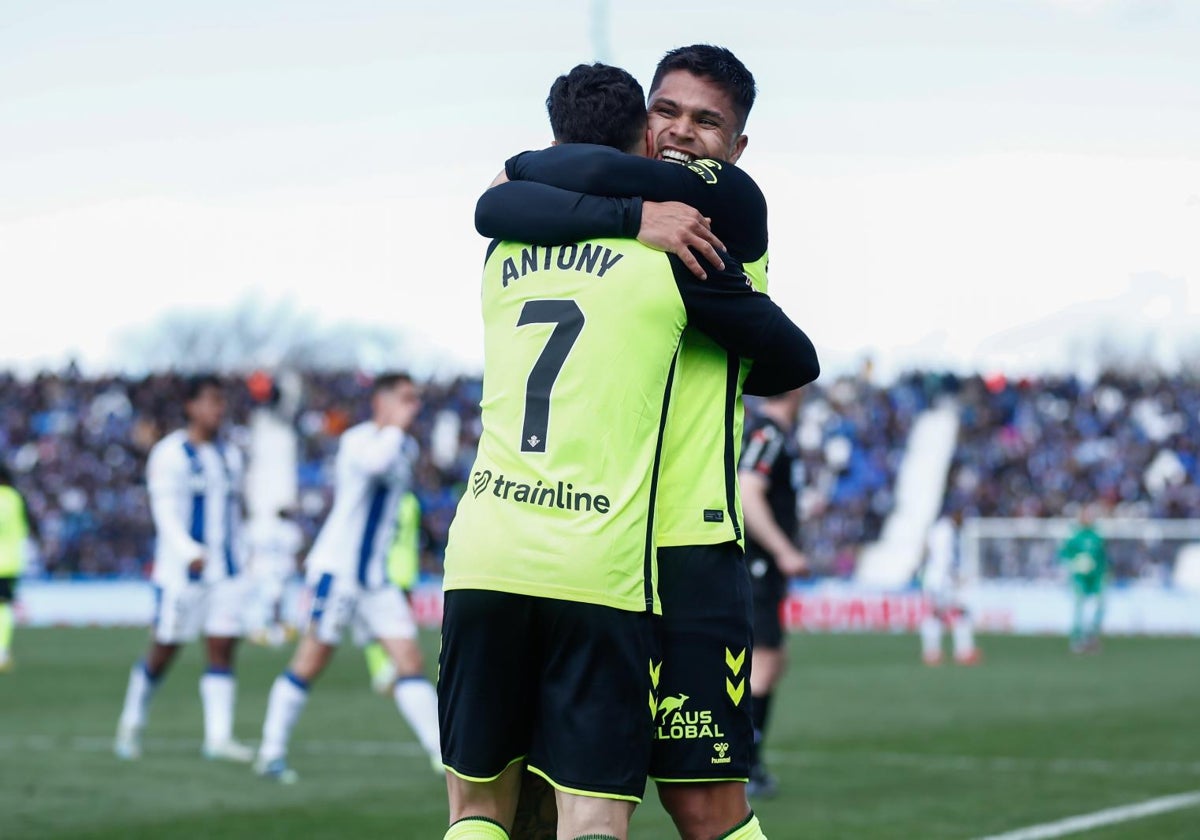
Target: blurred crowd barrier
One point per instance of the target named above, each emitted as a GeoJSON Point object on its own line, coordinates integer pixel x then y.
{"type": "Point", "coordinates": [825, 606]}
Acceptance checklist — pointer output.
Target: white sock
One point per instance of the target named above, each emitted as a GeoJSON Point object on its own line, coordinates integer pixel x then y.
{"type": "Point", "coordinates": [289, 693]}
{"type": "Point", "coordinates": [218, 690]}
{"type": "Point", "coordinates": [137, 698]}
{"type": "Point", "coordinates": [931, 637]}
{"type": "Point", "coordinates": [417, 701]}
{"type": "Point", "coordinates": [964, 637]}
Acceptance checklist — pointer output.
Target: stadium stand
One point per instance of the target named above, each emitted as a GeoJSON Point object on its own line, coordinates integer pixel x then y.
{"type": "Point", "coordinates": [1033, 447]}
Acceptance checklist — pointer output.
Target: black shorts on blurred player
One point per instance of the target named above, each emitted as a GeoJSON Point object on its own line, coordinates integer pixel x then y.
{"type": "Point", "coordinates": [562, 684]}
{"type": "Point", "coordinates": [8, 589]}
{"type": "Point", "coordinates": [703, 730]}
{"type": "Point", "coordinates": [769, 588]}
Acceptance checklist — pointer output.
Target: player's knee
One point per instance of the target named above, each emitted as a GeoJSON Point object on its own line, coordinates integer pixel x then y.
{"type": "Point", "coordinates": [159, 659]}
{"type": "Point", "coordinates": [407, 659]}
{"type": "Point", "coordinates": [701, 811]}
{"type": "Point", "coordinates": [310, 659]}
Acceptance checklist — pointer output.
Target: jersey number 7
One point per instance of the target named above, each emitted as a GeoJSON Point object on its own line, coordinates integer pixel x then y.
{"type": "Point", "coordinates": [568, 320]}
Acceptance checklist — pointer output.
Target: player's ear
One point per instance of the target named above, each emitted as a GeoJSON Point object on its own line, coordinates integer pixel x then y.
{"type": "Point", "coordinates": [649, 142]}
{"type": "Point", "coordinates": [739, 146]}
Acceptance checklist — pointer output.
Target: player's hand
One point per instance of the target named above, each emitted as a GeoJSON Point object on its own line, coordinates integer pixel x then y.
{"type": "Point", "coordinates": [676, 228]}
{"type": "Point", "coordinates": [792, 563]}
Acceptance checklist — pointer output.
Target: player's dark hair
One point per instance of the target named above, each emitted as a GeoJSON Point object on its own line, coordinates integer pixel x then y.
{"type": "Point", "coordinates": [193, 386]}
{"type": "Point", "coordinates": [598, 103]}
{"type": "Point", "coordinates": [5, 475]}
{"type": "Point", "coordinates": [719, 66]}
{"type": "Point", "coordinates": [387, 381]}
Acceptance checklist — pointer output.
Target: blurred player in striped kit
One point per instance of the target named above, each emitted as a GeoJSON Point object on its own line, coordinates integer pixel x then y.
{"type": "Point", "coordinates": [194, 480]}
{"type": "Point", "coordinates": [942, 581]}
{"type": "Point", "coordinates": [345, 572]}
{"type": "Point", "coordinates": [275, 543]}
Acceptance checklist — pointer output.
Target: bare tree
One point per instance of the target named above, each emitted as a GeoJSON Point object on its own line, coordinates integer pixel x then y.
{"type": "Point", "coordinates": [255, 334]}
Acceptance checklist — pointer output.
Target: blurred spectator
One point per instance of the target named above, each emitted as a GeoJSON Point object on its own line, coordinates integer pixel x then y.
{"type": "Point", "coordinates": [77, 448]}
{"type": "Point", "coordinates": [1034, 447]}
{"type": "Point", "coordinates": [1047, 447]}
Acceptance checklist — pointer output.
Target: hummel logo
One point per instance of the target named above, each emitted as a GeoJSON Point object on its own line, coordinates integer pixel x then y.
{"type": "Point", "coordinates": [721, 749]}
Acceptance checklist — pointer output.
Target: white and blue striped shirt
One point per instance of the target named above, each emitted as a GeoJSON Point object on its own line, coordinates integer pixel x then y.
{"type": "Point", "coordinates": [374, 468]}
{"type": "Point", "coordinates": [195, 501]}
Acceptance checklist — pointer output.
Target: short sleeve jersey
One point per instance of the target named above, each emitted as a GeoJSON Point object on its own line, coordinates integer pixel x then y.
{"type": "Point", "coordinates": [700, 501]}
{"type": "Point", "coordinates": [769, 452]}
{"type": "Point", "coordinates": [579, 344]}
{"type": "Point", "coordinates": [1085, 555]}
{"type": "Point", "coordinates": [374, 469]}
{"type": "Point", "coordinates": [13, 531]}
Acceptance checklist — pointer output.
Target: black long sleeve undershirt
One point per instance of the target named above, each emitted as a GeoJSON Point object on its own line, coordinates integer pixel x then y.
{"type": "Point", "coordinates": [526, 211]}
{"type": "Point", "coordinates": [720, 191]}
{"type": "Point", "coordinates": [749, 324]}
{"type": "Point", "coordinates": [564, 193]}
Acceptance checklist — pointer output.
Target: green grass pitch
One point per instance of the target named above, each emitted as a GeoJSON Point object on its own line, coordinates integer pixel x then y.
{"type": "Point", "coordinates": [866, 742]}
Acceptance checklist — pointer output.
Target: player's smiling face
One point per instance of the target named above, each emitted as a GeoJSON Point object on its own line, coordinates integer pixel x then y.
{"type": "Point", "coordinates": [692, 117]}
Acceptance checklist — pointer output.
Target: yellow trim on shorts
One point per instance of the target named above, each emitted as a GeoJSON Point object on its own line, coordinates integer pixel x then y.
{"type": "Point", "coordinates": [578, 792]}
{"type": "Point", "coordinates": [483, 779]}
{"type": "Point", "coordinates": [742, 779]}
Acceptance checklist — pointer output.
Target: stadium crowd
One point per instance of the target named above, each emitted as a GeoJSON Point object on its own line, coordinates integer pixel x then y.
{"type": "Point", "coordinates": [1044, 447]}
{"type": "Point", "coordinates": [1048, 447]}
{"type": "Point", "coordinates": [77, 446]}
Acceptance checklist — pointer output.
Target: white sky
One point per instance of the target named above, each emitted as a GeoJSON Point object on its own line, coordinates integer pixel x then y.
{"type": "Point", "coordinates": [960, 183]}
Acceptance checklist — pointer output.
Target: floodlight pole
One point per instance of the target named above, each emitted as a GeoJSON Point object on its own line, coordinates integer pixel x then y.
{"type": "Point", "coordinates": [600, 45]}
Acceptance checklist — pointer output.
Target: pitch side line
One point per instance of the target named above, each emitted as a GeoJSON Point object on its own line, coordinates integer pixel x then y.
{"type": "Point", "coordinates": [98, 744]}
{"type": "Point", "coordinates": [931, 761]}
{"type": "Point", "coordinates": [920, 761]}
{"type": "Point", "coordinates": [1083, 822]}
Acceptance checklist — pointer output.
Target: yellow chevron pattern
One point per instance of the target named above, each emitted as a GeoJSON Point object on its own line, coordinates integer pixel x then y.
{"type": "Point", "coordinates": [735, 692]}
{"type": "Point", "coordinates": [735, 662]}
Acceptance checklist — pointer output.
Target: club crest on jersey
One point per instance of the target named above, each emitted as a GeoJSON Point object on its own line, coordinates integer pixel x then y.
{"type": "Point", "coordinates": [480, 481]}
{"type": "Point", "coordinates": [706, 168]}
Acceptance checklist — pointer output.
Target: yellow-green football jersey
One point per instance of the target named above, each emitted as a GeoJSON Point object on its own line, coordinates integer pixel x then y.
{"type": "Point", "coordinates": [14, 530]}
{"type": "Point", "coordinates": [699, 501]}
{"type": "Point", "coordinates": [579, 347]}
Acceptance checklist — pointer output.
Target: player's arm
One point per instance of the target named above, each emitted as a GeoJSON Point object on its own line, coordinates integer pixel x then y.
{"type": "Point", "coordinates": [1067, 550]}
{"type": "Point", "coordinates": [375, 454]}
{"type": "Point", "coordinates": [766, 379]}
{"type": "Point", "coordinates": [167, 481]}
{"type": "Point", "coordinates": [719, 191]}
{"type": "Point", "coordinates": [526, 211]}
{"type": "Point", "coordinates": [754, 470]}
{"type": "Point", "coordinates": [747, 323]}
{"type": "Point", "coordinates": [31, 524]}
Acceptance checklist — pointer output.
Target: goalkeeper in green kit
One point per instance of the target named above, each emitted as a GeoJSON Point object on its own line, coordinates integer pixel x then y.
{"type": "Point", "coordinates": [1087, 562]}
